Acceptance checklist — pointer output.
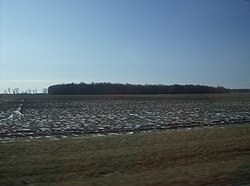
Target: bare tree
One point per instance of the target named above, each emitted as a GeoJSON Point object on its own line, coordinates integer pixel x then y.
{"type": "Point", "coordinates": [45, 91]}
{"type": "Point", "coordinates": [16, 90]}
{"type": "Point", "coordinates": [9, 90]}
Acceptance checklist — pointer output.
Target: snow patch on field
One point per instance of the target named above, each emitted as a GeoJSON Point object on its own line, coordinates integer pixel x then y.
{"type": "Point", "coordinates": [15, 115]}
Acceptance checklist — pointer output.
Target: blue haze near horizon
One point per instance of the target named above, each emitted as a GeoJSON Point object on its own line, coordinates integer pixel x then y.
{"type": "Point", "coordinates": [45, 42]}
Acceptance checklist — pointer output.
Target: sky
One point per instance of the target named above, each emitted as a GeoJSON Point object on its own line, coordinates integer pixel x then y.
{"type": "Point", "coordinates": [46, 42]}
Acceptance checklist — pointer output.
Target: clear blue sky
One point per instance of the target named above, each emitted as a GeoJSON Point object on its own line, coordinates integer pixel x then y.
{"type": "Point", "coordinates": [44, 42]}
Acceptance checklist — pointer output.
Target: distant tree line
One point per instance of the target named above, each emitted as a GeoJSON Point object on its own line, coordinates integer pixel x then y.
{"type": "Point", "coordinates": [240, 90]}
{"type": "Point", "coordinates": [117, 88]}
{"type": "Point", "coordinates": [28, 91]}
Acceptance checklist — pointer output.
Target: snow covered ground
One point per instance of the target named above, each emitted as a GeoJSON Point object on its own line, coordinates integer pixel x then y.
{"type": "Point", "coordinates": [77, 117]}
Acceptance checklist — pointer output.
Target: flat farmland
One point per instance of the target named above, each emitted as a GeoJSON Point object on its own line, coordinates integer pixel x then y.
{"type": "Point", "coordinates": [64, 140]}
{"type": "Point", "coordinates": [38, 116]}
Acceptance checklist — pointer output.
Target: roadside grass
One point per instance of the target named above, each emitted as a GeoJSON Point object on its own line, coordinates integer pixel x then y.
{"type": "Point", "coordinates": [202, 156]}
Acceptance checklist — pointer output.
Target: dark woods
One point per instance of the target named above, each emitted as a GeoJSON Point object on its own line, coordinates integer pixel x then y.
{"type": "Point", "coordinates": [109, 88]}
